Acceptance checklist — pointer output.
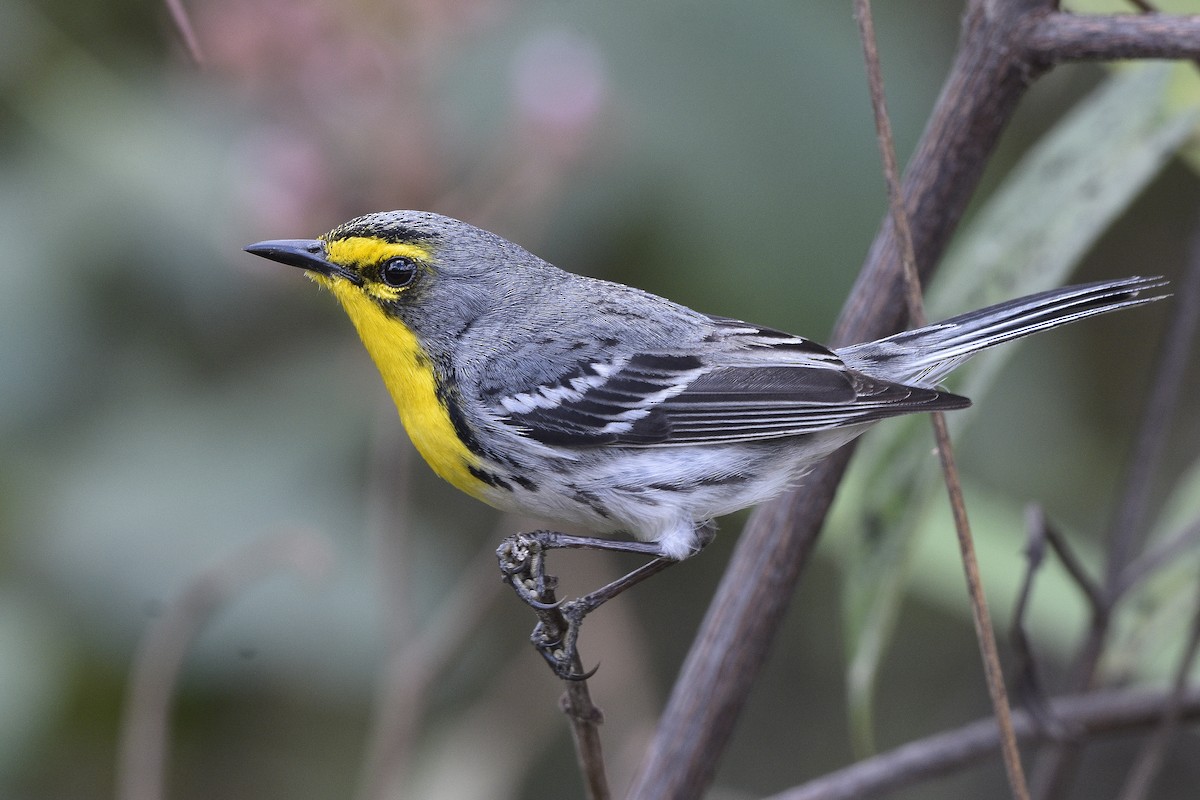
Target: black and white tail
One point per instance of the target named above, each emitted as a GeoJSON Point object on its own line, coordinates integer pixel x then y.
{"type": "Point", "coordinates": [926, 355]}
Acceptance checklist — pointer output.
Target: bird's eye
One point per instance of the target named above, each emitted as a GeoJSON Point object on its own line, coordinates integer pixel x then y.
{"type": "Point", "coordinates": [398, 272]}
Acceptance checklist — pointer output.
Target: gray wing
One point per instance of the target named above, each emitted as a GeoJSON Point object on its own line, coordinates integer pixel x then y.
{"type": "Point", "coordinates": [754, 384]}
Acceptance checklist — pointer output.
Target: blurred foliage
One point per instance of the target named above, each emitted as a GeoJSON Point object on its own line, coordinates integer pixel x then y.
{"type": "Point", "coordinates": [1026, 238]}
{"type": "Point", "coordinates": [166, 399]}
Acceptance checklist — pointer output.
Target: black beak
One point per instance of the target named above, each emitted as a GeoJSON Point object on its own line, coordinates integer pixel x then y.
{"type": "Point", "coordinates": [306, 254]}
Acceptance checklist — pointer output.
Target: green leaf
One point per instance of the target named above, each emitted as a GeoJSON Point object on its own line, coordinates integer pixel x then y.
{"type": "Point", "coordinates": [1052, 207]}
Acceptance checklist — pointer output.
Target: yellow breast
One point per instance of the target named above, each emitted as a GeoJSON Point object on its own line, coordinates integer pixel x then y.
{"type": "Point", "coordinates": [409, 377]}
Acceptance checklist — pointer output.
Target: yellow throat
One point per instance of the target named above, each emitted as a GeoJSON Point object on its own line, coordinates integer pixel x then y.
{"type": "Point", "coordinates": [408, 374]}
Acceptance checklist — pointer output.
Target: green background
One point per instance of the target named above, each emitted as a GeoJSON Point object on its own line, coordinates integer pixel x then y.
{"type": "Point", "coordinates": [166, 399]}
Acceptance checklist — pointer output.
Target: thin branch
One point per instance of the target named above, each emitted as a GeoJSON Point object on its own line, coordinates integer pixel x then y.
{"type": "Point", "coordinates": [1147, 7]}
{"type": "Point", "coordinates": [183, 24]}
{"type": "Point", "coordinates": [1154, 751]}
{"type": "Point", "coordinates": [993, 672]}
{"type": "Point", "coordinates": [142, 751]}
{"type": "Point", "coordinates": [986, 81]}
{"type": "Point", "coordinates": [979, 613]}
{"type": "Point", "coordinates": [585, 720]}
{"type": "Point", "coordinates": [1155, 558]}
{"type": "Point", "coordinates": [1029, 686]}
{"type": "Point", "coordinates": [1059, 37]}
{"type": "Point", "coordinates": [944, 753]}
{"type": "Point", "coordinates": [988, 78]}
{"type": "Point", "coordinates": [523, 568]}
{"type": "Point", "coordinates": [891, 172]}
{"type": "Point", "coordinates": [1174, 357]}
{"type": "Point", "coordinates": [1128, 524]}
{"type": "Point", "coordinates": [1075, 569]}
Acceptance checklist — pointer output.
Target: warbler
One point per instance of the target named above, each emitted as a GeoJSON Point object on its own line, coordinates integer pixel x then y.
{"type": "Point", "coordinates": [590, 402]}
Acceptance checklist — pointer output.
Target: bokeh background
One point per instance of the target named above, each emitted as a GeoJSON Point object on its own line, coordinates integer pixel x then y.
{"type": "Point", "coordinates": [167, 401]}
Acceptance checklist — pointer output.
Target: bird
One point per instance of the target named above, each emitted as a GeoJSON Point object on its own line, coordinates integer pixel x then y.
{"type": "Point", "coordinates": [594, 403]}
{"type": "Point", "coordinates": [600, 405]}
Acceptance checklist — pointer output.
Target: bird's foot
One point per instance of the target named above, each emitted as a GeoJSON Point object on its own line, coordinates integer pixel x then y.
{"type": "Point", "coordinates": [522, 559]}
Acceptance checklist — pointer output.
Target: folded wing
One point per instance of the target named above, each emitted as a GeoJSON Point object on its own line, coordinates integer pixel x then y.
{"type": "Point", "coordinates": [779, 386]}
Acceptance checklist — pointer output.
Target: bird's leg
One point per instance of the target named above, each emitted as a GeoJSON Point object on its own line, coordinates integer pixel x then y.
{"type": "Point", "coordinates": [573, 611]}
{"type": "Point", "coordinates": [522, 560]}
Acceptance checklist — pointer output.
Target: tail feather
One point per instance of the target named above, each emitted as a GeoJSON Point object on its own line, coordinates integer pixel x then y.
{"type": "Point", "coordinates": [925, 355]}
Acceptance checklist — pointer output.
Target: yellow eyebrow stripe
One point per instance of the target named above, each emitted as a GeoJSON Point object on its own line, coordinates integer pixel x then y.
{"type": "Point", "coordinates": [369, 250]}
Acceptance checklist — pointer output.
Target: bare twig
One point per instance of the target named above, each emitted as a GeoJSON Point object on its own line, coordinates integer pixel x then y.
{"type": "Point", "coordinates": [1154, 751]}
{"type": "Point", "coordinates": [1129, 522]}
{"type": "Point", "coordinates": [979, 613]}
{"type": "Point", "coordinates": [1074, 567]}
{"type": "Point", "coordinates": [1058, 37]}
{"type": "Point", "coordinates": [1147, 7]}
{"type": "Point", "coordinates": [183, 24]}
{"type": "Point", "coordinates": [1026, 665]}
{"type": "Point", "coordinates": [989, 76]}
{"type": "Point", "coordinates": [1129, 519]}
{"type": "Point", "coordinates": [144, 727]}
{"type": "Point", "coordinates": [1029, 688]}
{"type": "Point", "coordinates": [986, 636]}
{"type": "Point", "coordinates": [891, 172]}
{"type": "Point", "coordinates": [986, 81]}
{"type": "Point", "coordinates": [1158, 556]}
{"type": "Point", "coordinates": [993, 67]}
{"type": "Point", "coordinates": [523, 566]}
{"type": "Point", "coordinates": [585, 720]}
{"type": "Point", "coordinates": [1092, 714]}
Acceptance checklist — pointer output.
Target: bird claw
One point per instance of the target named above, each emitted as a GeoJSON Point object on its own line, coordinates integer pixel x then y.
{"type": "Point", "coordinates": [561, 651]}
{"type": "Point", "coordinates": [569, 673]}
{"type": "Point", "coordinates": [523, 567]}
{"type": "Point", "coordinates": [540, 606]}
{"type": "Point", "coordinates": [522, 559]}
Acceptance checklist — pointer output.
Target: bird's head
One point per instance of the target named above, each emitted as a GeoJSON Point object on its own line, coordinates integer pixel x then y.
{"type": "Point", "coordinates": [432, 273]}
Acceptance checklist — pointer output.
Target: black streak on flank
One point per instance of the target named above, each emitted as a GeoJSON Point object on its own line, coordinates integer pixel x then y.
{"type": "Point", "coordinates": [490, 478]}
{"type": "Point", "coordinates": [461, 429]}
{"type": "Point", "coordinates": [589, 499]}
{"type": "Point", "coordinates": [720, 480]}
{"type": "Point", "coordinates": [525, 483]}
{"type": "Point", "coordinates": [447, 397]}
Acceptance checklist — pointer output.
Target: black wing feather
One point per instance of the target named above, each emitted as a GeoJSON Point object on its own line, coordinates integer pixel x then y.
{"type": "Point", "coordinates": [664, 399]}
